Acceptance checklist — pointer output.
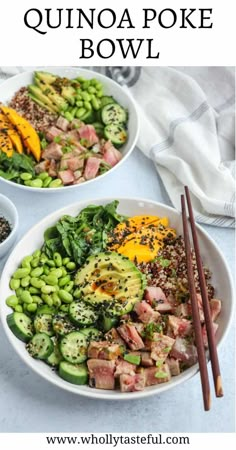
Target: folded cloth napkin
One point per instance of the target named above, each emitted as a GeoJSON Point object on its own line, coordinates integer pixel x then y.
{"type": "Point", "coordinates": [187, 129]}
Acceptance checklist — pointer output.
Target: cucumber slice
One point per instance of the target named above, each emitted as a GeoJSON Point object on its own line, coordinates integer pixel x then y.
{"type": "Point", "coordinates": [92, 334]}
{"type": "Point", "coordinates": [45, 309]}
{"type": "Point", "coordinates": [113, 114]}
{"type": "Point", "coordinates": [61, 324]}
{"type": "Point", "coordinates": [73, 347]}
{"type": "Point", "coordinates": [21, 326]}
{"type": "Point", "coordinates": [117, 134]}
{"type": "Point", "coordinates": [88, 117]}
{"type": "Point", "coordinates": [107, 100]}
{"type": "Point", "coordinates": [55, 358]}
{"type": "Point", "coordinates": [43, 324]}
{"type": "Point", "coordinates": [82, 314]}
{"type": "Point", "coordinates": [99, 128]}
{"type": "Point", "coordinates": [75, 374]}
{"type": "Point", "coordinates": [40, 346]}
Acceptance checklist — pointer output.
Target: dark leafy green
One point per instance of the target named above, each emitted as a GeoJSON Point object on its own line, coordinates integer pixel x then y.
{"type": "Point", "coordinates": [11, 168]}
{"type": "Point", "coordinates": [83, 235]}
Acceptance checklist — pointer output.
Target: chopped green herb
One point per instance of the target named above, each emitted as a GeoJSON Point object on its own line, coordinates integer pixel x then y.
{"type": "Point", "coordinates": [160, 374]}
{"type": "Point", "coordinates": [166, 349]}
{"type": "Point", "coordinates": [133, 359]}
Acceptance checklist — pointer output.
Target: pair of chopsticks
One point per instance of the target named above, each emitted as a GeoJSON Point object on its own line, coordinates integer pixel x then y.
{"type": "Point", "coordinates": [206, 308]}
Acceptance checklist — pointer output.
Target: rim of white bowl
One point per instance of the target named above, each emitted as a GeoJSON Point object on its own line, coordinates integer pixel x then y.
{"type": "Point", "coordinates": [100, 177]}
{"type": "Point", "coordinates": [14, 225]}
{"type": "Point", "coordinates": [189, 373]}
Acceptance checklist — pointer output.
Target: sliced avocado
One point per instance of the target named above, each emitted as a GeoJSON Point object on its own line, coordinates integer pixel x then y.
{"type": "Point", "coordinates": [38, 96]}
{"type": "Point", "coordinates": [110, 281]}
{"type": "Point", "coordinates": [52, 94]}
{"type": "Point", "coordinates": [68, 92]}
{"type": "Point", "coordinates": [46, 77]}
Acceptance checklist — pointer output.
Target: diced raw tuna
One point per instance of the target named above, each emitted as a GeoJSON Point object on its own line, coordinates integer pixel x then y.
{"type": "Point", "coordinates": [131, 336]}
{"type": "Point", "coordinates": [79, 180]}
{"type": "Point", "coordinates": [113, 336]}
{"type": "Point", "coordinates": [75, 163]}
{"type": "Point", "coordinates": [75, 124]}
{"type": "Point", "coordinates": [110, 154]}
{"type": "Point", "coordinates": [92, 167]}
{"type": "Point", "coordinates": [104, 350]}
{"type": "Point", "coordinates": [52, 170]}
{"type": "Point", "coordinates": [62, 123]}
{"type": "Point", "coordinates": [161, 346]}
{"type": "Point", "coordinates": [204, 333]}
{"type": "Point", "coordinates": [88, 133]}
{"type": "Point", "coordinates": [155, 296]}
{"type": "Point", "coordinates": [145, 312]}
{"type": "Point", "coordinates": [101, 373]}
{"type": "Point", "coordinates": [66, 176]}
{"type": "Point", "coordinates": [174, 366]}
{"type": "Point", "coordinates": [77, 174]}
{"type": "Point", "coordinates": [52, 132]}
{"type": "Point", "coordinates": [146, 359]}
{"type": "Point", "coordinates": [140, 327]}
{"type": "Point", "coordinates": [42, 167]}
{"type": "Point", "coordinates": [179, 327]}
{"type": "Point", "coordinates": [183, 310]}
{"type": "Point", "coordinates": [184, 351]}
{"type": "Point", "coordinates": [129, 383]}
{"type": "Point", "coordinates": [215, 306]}
{"type": "Point", "coordinates": [157, 375]}
{"type": "Point", "coordinates": [124, 367]}
{"type": "Point", "coordinates": [200, 308]}
{"type": "Point", "coordinates": [53, 151]}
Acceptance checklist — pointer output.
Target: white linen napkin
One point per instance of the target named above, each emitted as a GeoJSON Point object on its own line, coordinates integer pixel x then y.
{"type": "Point", "coordinates": [188, 131]}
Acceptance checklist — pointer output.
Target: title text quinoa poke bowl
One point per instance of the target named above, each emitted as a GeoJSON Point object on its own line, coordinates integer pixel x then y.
{"type": "Point", "coordinates": [63, 128]}
{"type": "Point", "coordinates": [95, 298]}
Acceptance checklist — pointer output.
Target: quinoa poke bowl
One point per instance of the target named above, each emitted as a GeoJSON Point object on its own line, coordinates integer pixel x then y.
{"type": "Point", "coordinates": [62, 127]}
{"type": "Point", "coordinates": [97, 302]}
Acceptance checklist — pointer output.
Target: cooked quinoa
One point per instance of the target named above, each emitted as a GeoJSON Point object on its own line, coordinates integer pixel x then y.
{"type": "Point", "coordinates": [169, 270]}
{"type": "Point", "coordinates": [39, 118]}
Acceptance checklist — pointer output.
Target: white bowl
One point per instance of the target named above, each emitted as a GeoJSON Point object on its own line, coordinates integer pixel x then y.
{"type": "Point", "coordinates": [211, 255]}
{"type": "Point", "coordinates": [9, 211]}
{"type": "Point", "coordinates": [9, 87]}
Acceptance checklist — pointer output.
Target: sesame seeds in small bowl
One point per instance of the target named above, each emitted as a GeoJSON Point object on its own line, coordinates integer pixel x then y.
{"type": "Point", "coordinates": [8, 224]}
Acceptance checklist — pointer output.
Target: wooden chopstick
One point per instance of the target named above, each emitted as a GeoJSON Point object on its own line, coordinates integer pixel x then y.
{"type": "Point", "coordinates": [206, 306]}
{"type": "Point", "coordinates": [195, 313]}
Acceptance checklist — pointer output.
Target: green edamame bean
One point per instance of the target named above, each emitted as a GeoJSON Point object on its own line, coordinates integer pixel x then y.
{"type": "Point", "coordinates": [85, 85]}
{"type": "Point", "coordinates": [25, 281]}
{"type": "Point", "coordinates": [51, 280]}
{"type": "Point", "coordinates": [57, 272]}
{"type": "Point", "coordinates": [79, 103]}
{"type": "Point", "coordinates": [77, 293]}
{"type": "Point", "coordinates": [47, 181]}
{"type": "Point", "coordinates": [51, 263]}
{"type": "Point", "coordinates": [47, 289]}
{"type": "Point", "coordinates": [26, 297]}
{"type": "Point", "coordinates": [35, 262]}
{"type": "Point", "coordinates": [21, 273]}
{"type": "Point", "coordinates": [37, 283]}
{"type": "Point", "coordinates": [69, 286]}
{"type": "Point", "coordinates": [27, 183]}
{"type": "Point", "coordinates": [55, 183]}
{"type": "Point", "coordinates": [37, 183]}
{"type": "Point", "coordinates": [26, 262]}
{"type": "Point", "coordinates": [85, 96]}
{"type": "Point", "coordinates": [19, 292]}
{"type": "Point", "coordinates": [34, 290]}
{"type": "Point", "coordinates": [36, 253]}
{"type": "Point", "coordinates": [25, 176]}
{"type": "Point", "coordinates": [46, 270]}
{"type": "Point", "coordinates": [18, 308]}
{"type": "Point", "coordinates": [64, 271]}
{"type": "Point", "coordinates": [57, 259]}
{"type": "Point", "coordinates": [37, 299]}
{"type": "Point", "coordinates": [81, 79]}
{"type": "Point", "coordinates": [80, 112]}
{"type": "Point", "coordinates": [93, 82]}
{"type": "Point", "coordinates": [56, 300]}
{"type": "Point", "coordinates": [64, 308]}
{"type": "Point", "coordinates": [65, 261]}
{"type": "Point", "coordinates": [71, 265]}
{"type": "Point", "coordinates": [98, 85]}
{"type": "Point", "coordinates": [32, 307]}
{"type": "Point", "coordinates": [12, 301]}
{"type": "Point", "coordinates": [63, 281]}
{"type": "Point", "coordinates": [65, 297]}
{"type": "Point", "coordinates": [95, 103]}
{"type": "Point", "coordinates": [43, 258]}
{"type": "Point", "coordinates": [43, 176]}
{"type": "Point", "coordinates": [14, 284]}
{"type": "Point", "coordinates": [87, 106]}
{"type": "Point", "coordinates": [99, 94]}
{"type": "Point", "coordinates": [91, 90]}
{"type": "Point", "coordinates": [47, 299]}
{"type": "Point", "coordinates": [37, 272]}
{"type": "Point", "coordinates": [68, 116]}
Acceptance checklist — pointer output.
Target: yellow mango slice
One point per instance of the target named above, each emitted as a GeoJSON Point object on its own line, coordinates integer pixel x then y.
{"type": "Point", "coordinates": [7, 127]}
{"type": "Point", "coordinates": [134, 250]}
{"type": "Point", "coordinates": [6, 145]}
{"type": "Point", "coordinates": [28, 134]}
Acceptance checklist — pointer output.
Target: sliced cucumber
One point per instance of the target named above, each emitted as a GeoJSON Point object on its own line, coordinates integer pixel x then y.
{"type": "Point", "coordinates": [92, 334]}
{"type": "Point", "coordinates": [40, 346]}
{"type": "Point", "coordinates": [43, 324]}
{"type": "Point", "coordinates": [88, 117]}
{"type": "Point", "coordinates": [115, 133]}
{"type": "Point", "coordinates": [107, 100]}
{"type": "Point", "coordinates": [55, 358]}
{"type": "Point", "coordinates": [45, 309]}
{"type": "Point", "coordinates": [99, 128]}
{"type": "Point", "coordinates": [82, 314]}
{"type": "Point", "coordinates": [20, 325]}
{"type": "Point", "coordinates": [73, 347]}
{"type": "Point", "coordinates": [75, 374]}
{"type": "Point", "coordinates": [61, 324]}
{"type": "Point", "coordinates": [113, 114]}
